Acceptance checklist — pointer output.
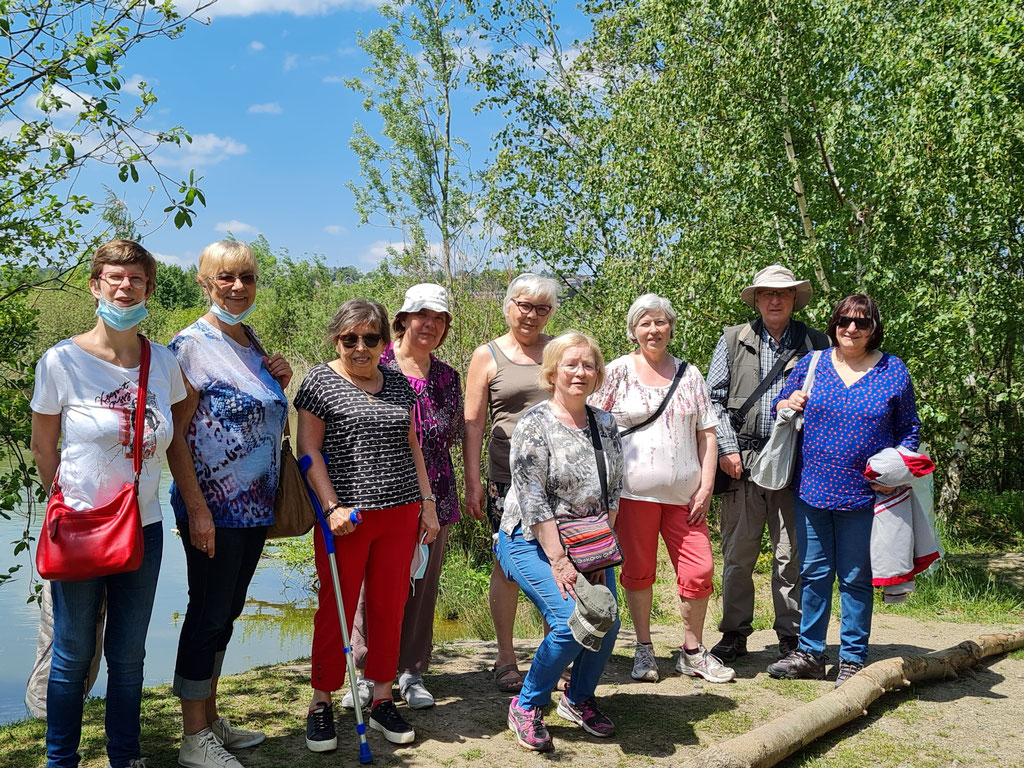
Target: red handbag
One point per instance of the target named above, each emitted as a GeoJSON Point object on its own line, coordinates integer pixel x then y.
{"type": "Point", "coordinates": [78, 544]}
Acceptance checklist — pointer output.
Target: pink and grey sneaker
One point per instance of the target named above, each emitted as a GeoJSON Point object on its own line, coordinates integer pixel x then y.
{"type": "Point", "coordinates": [587, 716]}
{"type": "Point", "coordinates": [528, 726]}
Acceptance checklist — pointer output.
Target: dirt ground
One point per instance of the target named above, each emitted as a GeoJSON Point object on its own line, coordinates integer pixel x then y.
{"type": "Point", "coordinates": [976, 720]}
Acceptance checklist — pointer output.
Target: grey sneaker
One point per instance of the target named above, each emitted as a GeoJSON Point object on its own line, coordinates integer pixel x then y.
{"type": "Point", "coordinates": [414, 691]}
{"type": "Point", "coordinates": [645, 666]}
{"type": "Point", "coordinates": [799, 665]}
{"type": "Point", "coordinates": [235, 738]}
{"type": "Point", "coordinates": [204, 750]}
{"type": "Point", "coordinates": [365, 688]}
{"type": "Point", "coordinates": [703, 664]}
{"type": "Point", "coordinates": [847, 669]}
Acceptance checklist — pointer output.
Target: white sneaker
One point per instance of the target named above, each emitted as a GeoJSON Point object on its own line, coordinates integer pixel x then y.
{"type": "Point", "coordinates": [235, 738]}
{"type": "Point", "coordinates": [414, 691]}
{"type": "Point", "coordinates": [645, 666]}
{"type": "Point", "coordinates": [365, 688]}
{"type": "Point", "coordinates": [203, 750]}
{"type": "Point", "coordinates": [703, 664]}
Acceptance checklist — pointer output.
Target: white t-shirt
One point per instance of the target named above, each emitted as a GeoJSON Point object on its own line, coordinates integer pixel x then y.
{"type": "Point", "coordinates": [96, 401]}
{"type": "Point", "coordinates": [661, 462]}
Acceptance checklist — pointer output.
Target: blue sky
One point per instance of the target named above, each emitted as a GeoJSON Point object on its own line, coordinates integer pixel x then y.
{"type": "Point", "coordinates": [259, 89]}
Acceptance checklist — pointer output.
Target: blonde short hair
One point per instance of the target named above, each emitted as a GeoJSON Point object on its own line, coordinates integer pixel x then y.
{"type": "Point", "coordinates": [226, 256]}
{"type": "Point", "coordinates": [538, 287]}
{"type": "Point", "coordinates": [554, 350]}
{"type": "Point", "coordinates": [645, 305]}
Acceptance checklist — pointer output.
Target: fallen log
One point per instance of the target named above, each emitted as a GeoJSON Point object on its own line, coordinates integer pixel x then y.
{"type": "Point", "coordinates": [767, 745]}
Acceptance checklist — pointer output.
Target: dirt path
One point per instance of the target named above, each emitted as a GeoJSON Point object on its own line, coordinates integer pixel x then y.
{"type": "Point", "coordinates": [975, 720]}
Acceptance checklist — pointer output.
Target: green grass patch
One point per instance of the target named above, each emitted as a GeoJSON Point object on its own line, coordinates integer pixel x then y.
{"type": "Point", "coordinates": [801, 690]}
{"type": "Point", "coordinates": [961, 592]}
{"type": "Point", "coordinates": [986, 522]}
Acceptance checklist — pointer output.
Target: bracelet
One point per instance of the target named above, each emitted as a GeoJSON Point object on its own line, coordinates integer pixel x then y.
{"type": "Point", "coordinates": [331, 509]}
{"type": "Point", "coordinates": [430, 497]}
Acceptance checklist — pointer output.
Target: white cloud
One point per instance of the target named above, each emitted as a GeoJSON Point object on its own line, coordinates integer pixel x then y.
{"type": "Point", "coordinates": [177, 261]}
{"type": "Point", "coordinates": [334, 79]}
{"type": "Point", "coordinates": [253, 7]}
{"type": "Point", "coordinates": [205, 149]}
{"type": "Point", "coordinates": [381, 249]}
{"type": "Point", "coordinates": [348, 50]}
{"type": "Point", "coordinates": [335, 229]}
{"type": "Point", "coordinates": [270, 108]}
{"type": "Point", "coordinates": [291, 61]}
{"type": "Point", "coordinates": [235, 227]}
{"type": "Point", "coordinates": [256, 45]}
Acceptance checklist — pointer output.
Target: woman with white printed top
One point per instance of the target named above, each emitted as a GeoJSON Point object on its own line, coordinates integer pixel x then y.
{"type": "Point", "coordinates": [83, 417]}
{"type": "Point", "coordinates": [360, 414]}
{"type": "Point", "coordinates": [224, 458]}
{"type": "Point", "coordinates": [670, 456]}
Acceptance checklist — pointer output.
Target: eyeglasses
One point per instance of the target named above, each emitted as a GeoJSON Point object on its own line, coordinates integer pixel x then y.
{"type": "Point", "coordinates": [349, 340]}
{"type": "Point", "coordinates": [862, 323]}
{"type": "Point", "coordinates": [573, 367]}
{"type": "Point", "coordinates": [115, 279]}
{"type": "Point", "coordinates": [526, 307]}
{"type": "Point", "coordinates": [225, 280]}
{"type": "Point", "coordinates": [782, 293]}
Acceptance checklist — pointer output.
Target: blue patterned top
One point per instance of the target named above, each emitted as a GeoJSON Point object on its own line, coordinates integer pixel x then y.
{"type": "Point", "coordinates": [845, 426]}
{"type": "Point", "coordinates": [235, 434]}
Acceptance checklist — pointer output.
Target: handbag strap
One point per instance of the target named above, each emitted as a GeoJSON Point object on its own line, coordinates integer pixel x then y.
{"type": "Point", "coordinates": [662, 405]}
{"type": "Point", "coordinates": [140, 408]}
{"type": "Point", "coordinates": [602, 472]}
{"type": "Point", "coordinates": [809, 378]}
{"type": "Point", "coordinates": [737, 416]}
{"type": "Point", "coordinates": [263, 353]}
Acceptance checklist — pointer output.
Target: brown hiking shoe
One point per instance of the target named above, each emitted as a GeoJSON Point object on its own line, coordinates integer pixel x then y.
{"type": "Point", "coordinates": [799, 664]}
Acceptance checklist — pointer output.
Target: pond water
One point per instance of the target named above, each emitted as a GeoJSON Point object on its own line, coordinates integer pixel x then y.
{"type": "Point", "coordinates": [276, 625]}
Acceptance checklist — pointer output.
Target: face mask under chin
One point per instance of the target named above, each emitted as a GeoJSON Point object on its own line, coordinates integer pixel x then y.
{"type": "Point", "coordinates": [121, 318]}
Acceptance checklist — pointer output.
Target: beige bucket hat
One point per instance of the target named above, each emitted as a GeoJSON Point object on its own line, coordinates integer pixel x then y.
{"type": "Point", "coordinates": [777, 276]}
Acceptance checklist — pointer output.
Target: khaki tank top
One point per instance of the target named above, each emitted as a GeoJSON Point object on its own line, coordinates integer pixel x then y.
{"type": "Point", "coordinates": [512, 392]}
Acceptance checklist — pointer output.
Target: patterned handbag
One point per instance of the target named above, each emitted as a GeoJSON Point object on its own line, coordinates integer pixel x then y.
{"type": "Point", "coordinates": [589, 542]}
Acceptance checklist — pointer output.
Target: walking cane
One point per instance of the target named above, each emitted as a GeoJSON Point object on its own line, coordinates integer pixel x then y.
{"type": "Point", "coordinates": [365, 756]}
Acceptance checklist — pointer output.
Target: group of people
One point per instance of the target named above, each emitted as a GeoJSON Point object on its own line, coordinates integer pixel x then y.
{"type": "Point", "coordinates": [641, 440]}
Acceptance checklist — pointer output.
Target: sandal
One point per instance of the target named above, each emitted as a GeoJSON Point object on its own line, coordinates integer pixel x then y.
{"type": "Point", "coordinates": [508, 678]}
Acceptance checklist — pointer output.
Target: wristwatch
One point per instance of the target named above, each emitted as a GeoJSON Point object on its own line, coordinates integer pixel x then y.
{"type": "Point", "coordinates": [430, 497]}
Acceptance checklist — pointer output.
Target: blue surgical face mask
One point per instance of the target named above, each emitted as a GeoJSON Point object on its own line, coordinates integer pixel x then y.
{"type": "Point", "coordinates": [226, 317]}
{"type": "Point", "coordinates": [121, 318]}
{"type": "Point", "coordinates": [418, 567]}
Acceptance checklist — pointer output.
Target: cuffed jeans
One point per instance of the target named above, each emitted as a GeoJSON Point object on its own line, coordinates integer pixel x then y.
{"type": "Point", "coordinates": [76, 605]}
{"type": "Point", "coordinates": [217, 588]}
{"type": "Point", "coordinates": [525, 563]}
{"type": "Point", "coordinates": [835, 542]}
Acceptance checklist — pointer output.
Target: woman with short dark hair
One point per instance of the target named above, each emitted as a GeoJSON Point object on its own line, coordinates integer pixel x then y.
{"type": "Point", "coordinates": [360, 414]}
{"type": "Point", "coordinates": [861, 401]}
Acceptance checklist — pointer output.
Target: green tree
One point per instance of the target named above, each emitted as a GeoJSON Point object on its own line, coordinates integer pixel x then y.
{"type": "Point", "coordinates": [416, 177]}
{"type": "Point", "coordinates": [683, 145]}
{"type": "Point", "coordinates": [62, 106]}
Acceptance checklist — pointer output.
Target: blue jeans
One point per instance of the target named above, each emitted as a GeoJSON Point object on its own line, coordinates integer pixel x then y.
{"type": "Point", "coordinates": [75, 607]}
{"type": "Point", "coordinates": [835, 542]}
{"type": "Point", "coordinates": [525, 563]}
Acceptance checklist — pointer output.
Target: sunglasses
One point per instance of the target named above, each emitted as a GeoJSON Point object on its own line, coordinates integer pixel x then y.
{"type": "Point", "coordinates": [225, 280]}
{"type": "Point", "coordinates": [862, 323]}
{"type": "Point", "coordinates": [526, 307]}
{"type": "Point", "coordinates": [349, 340]}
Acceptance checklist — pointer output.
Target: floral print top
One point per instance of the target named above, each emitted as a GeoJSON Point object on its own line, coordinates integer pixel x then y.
{"type": "Point", "coordinates": [440, 424]}
{"type": "Point", "coordinates": [554, 470]}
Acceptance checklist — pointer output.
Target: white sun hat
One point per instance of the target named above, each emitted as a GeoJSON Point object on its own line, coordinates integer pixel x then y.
{"type": "Point", "coordinates": [777, 276]}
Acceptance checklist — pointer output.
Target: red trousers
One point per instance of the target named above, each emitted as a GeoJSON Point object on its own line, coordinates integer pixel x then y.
{"type": "Point", "coordinates": [379, 551]}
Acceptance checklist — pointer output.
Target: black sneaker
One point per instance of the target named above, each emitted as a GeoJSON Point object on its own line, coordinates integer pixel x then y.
{"type": "Point", "coordinates": [847, 669]}
{"type": "Point", "coordinates": [730, 647]}
{"type": "Point", "coordinates": [320, 733]}
{"type": "Point", "coordinates": [799, 664]}
{"type": "Point", "coordinates": [787, 644]}
{"type": "Point", "coordinates": [384, 717]}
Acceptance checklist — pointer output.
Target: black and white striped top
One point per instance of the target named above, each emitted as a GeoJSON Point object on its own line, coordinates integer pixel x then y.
{"type": "Point", "coordinates": [366, 437]}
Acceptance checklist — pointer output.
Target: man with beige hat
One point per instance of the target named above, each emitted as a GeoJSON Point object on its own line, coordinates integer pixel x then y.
{"type": "Point", "coordinates": [748, 369]}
